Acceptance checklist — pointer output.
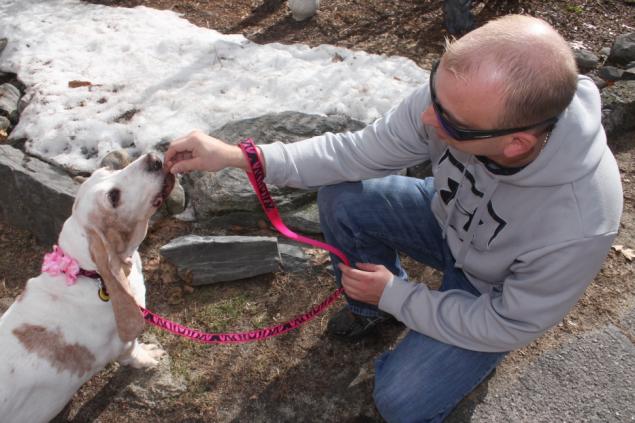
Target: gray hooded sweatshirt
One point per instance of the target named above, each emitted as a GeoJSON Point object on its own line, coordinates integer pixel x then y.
{"type": "Point", "coordinates": [542, 233]}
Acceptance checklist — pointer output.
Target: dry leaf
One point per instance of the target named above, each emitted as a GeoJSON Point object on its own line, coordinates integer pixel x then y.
{"type": "Point", "coordinates": [629, 253]}
{"type": "Point", "coordinates": [77, 84]}
{"type": "Point", "coordinates": [175, 296]}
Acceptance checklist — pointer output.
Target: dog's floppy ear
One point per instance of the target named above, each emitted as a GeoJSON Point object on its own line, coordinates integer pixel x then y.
{"type": "Point", "coordinates": [113, 272]}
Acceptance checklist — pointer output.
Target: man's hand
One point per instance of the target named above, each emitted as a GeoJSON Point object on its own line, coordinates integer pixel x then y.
{"type": "Point", "coordinates": [198, 151]}
{"type": "Point", "coordinates": [366, 283]}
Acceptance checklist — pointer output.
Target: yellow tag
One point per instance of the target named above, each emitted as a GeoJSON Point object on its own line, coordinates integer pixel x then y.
{"type": "Point", "coordinates": [103, 295]}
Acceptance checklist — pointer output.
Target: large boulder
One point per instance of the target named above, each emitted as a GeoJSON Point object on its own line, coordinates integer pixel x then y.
{"type": "Point", "coordinates": [623, 49]}
{"type": "Point", "coordinates": [618, 108]}
{"type": "Point", "coordinates": [35, 195]}
{"type": "Point", "coordinates": [229, 191]}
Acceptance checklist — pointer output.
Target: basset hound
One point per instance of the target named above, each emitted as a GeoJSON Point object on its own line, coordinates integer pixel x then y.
{"type": "Point", "coordinates": [82, 312]}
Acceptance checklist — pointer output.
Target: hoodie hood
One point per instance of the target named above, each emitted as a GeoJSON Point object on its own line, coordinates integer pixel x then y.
{"type": "Point", "coordinates": [576, 144]}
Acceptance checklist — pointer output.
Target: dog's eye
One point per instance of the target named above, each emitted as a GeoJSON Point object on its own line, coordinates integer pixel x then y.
{"type": "Point", "coordinates": [113, 196]}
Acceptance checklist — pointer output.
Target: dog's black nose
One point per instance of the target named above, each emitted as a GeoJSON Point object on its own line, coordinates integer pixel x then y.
{"type": "Point", "coordinates": [153, 163]}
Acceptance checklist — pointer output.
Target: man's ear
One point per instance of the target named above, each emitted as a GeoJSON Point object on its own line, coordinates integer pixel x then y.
{"type": "Point", "coordinates": [520, 144]}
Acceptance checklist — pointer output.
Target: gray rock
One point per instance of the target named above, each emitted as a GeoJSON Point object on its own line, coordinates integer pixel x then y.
{"type": "Point", "coordinates": [4, 123]}
{"type": "Point", "coordinates": [3, 44]}
{"type": "Point", "coordinates": [623, 49]}
{"type": "Point", "coordinates": [22, 104]}
{"type": "Point", "coordinates": [285, 127]}
{"type": "Point", "coordinates": [457, 16]}
{"type": "Point", "coordinates": [229, 191]}
{"type": "Point", "coordinates": [138, 388]}
{"type": "Point", "coordinates": [599, 82]}
{"type": "Point", "coordinates": [610, 73]}
{"type": "Point", "coordinates": [175, 202]}
{"type": "Point", "coordinates": [586, 60]}
{"type": "Point", "coordinates": [35, 195]}
{"type": "Point", "coordinates": [210, 259]}
{"type": "Point", "coordinates": [618, 107]}
{"type": "Point", "coordinates": [9, 99]}
{"type": "Point", "coordinates": [305, 219]}
{"type": "Point", "coordinates": [605, 51]}
{"type": "Point", "coordinates": [421, 171]}
{"type": "Point", "coordinates": [115, 160]}
{"type": "Point", "coordinates": [303, 9]}
{"type": "Point", "coordinates": [294, 258]}
{"type": "Point", "coordinates": [149, 387]}
{"type": "Point", "coordinates": [629, 74]}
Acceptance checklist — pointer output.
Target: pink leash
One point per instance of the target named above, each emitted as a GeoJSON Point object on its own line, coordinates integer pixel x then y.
{"type": "Point", "coordinates": [256, 177]}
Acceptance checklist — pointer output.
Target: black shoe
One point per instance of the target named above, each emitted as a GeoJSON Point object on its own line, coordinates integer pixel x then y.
{"type": "Point", "coordinates": [352, 327]}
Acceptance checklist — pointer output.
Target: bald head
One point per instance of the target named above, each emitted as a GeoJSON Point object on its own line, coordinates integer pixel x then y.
{"type": "Point", "coordinates": [522, 58]}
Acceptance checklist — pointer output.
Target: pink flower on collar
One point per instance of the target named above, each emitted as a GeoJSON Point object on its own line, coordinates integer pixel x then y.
{"type": "Point", "coordinates": [57, 262]}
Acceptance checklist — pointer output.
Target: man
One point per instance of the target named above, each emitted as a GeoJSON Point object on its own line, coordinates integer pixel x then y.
{"type": "Point", "coordinates": [520, 214]}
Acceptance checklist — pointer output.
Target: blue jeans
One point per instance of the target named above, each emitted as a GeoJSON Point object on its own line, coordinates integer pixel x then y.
{"type": "Point", "coordinates": [422, 379]}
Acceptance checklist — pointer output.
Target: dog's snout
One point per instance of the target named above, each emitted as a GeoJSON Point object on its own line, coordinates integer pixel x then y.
{"type": "Point", "coordinates": [153, 163]}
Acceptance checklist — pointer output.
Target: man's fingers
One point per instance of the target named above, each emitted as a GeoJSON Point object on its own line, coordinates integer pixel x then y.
{"type": "Point", "coordinates": [186, 165]}
{"type": "Point", "coordinates": [355, 274]}
{"type": "Point", "coordinates": [350, 287]}
{"type": "Point", "coordinates": [175, 157]}
{"type": "Point", "coordinates": [347, 270]}
{"type": "Point", "coordinates": [369, 267]}
{"type": "Point", "coordinates": [178, 146]}
{"type": "Point", "coordinates": [167, 157]}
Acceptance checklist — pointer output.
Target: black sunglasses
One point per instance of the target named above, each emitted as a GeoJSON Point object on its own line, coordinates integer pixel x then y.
{"type": "Point", "coordinates": [463, 134]}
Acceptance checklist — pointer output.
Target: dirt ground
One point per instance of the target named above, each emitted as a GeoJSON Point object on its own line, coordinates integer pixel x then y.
{"type": "Point", "coordinates": [305, 376]}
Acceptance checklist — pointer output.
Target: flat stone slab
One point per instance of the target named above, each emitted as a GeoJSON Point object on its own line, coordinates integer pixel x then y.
{"type": "Point", "coordinates": [211, 259]}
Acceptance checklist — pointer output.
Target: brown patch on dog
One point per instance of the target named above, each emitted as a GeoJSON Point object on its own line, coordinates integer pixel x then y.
{"type": "Point", "coordinates": [118, 230]}
{"type": "Point", "coordinates": [50, 346]}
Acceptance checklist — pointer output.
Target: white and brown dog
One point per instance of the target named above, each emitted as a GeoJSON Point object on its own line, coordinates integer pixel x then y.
{"type": "Point", "coordinates": [60, 332]}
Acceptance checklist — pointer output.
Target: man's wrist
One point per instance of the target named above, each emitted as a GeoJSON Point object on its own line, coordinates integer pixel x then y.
{"type": "Point", "coordinates": [261, 159]}
{"type": "Point", "coordinates": [239, 159]}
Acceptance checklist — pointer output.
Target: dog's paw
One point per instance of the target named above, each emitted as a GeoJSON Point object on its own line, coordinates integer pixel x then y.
{"type": "Point", "coordinates": [143, 356]}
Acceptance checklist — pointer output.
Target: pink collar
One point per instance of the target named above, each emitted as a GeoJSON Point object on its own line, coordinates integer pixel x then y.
{"type": "Point", "coordinates": [57, 263]}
